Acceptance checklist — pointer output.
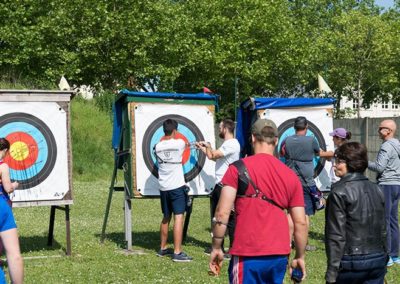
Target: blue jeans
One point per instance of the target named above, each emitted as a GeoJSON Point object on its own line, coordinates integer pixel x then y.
{"type": "Point", "coordinates": [392, 197]}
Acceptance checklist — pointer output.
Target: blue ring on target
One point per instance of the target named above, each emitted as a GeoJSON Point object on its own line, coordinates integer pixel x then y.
{"type": "Point", "coordinates": [187, 128]}
{"type": "Point", "coordinates": [45, 141]}
{"type": "Point", "coordinates": [286, 129]}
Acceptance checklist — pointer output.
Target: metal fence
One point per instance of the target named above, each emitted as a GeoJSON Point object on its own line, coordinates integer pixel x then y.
{"type": "Point", "coordinates": [365, 131]}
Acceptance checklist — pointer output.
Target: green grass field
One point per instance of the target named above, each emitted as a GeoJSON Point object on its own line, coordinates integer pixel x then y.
{"type": "Point", "coordinates": [92, 262]}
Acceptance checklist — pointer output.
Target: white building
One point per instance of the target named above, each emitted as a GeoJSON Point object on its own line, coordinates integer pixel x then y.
{"type": "Point", "coordinates": [380, 109]}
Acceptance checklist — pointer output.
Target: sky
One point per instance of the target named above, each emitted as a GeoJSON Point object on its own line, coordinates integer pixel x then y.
{"type": "Point", "coordinates": [384, 3]}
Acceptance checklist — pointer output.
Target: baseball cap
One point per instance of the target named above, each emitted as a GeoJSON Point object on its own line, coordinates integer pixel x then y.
{"type": "Point", "coordinates": [300, 122]}
{"type": "Point", "coordinates": [339, 132]}
{"type": "Point", "coordinates": [259, 125]}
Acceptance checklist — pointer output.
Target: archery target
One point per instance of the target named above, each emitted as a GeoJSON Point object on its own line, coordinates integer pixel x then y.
{"type": "Point", "coordinates": [320, 124]}
{"type": "Point", "coordinates": [33, 150]}
{"type": "Point", "coordinates": [195, 123]}
{"type": "Point", "coordinates": [38, 160]}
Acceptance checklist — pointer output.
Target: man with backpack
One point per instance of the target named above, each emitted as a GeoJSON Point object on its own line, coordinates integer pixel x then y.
{"type": "Point", "coordinates": [299, 151]}
{"type": "Point", "coordinates": [261, 187]}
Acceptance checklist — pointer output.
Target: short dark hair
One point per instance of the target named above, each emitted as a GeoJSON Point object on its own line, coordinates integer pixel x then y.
{"type": "Point", "coordinates": [267, 135]}
{"type": "Point", "coordinates": [169, 126]}
{"type": "Point", "coordinates": [229, 124]}
{"type": "Point", "coordinates": [300, 123]}
{"type": "Point", "coordinates": [355, 155]}
{"type": "Point", "coordinates": [4, 144]}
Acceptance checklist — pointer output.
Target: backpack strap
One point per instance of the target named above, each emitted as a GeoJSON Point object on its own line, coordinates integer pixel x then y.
{"type": "Point", "coordinates": [243, 183]}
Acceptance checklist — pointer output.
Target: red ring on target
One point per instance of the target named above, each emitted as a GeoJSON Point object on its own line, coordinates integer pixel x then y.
{"type": "Point", "coordinates": [23, 151]}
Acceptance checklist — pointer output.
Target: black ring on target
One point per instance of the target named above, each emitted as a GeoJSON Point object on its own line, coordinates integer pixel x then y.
{"type": "Point", "coordinates": [34, 127]}
{"type": "Point", "coordinates": [313, 130]}
{"type": "Point", "coordinates": [156, 125]}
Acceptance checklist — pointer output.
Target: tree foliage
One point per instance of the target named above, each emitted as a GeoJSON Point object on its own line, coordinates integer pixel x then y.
{"type": "Point", "coordinates": [263, 47]}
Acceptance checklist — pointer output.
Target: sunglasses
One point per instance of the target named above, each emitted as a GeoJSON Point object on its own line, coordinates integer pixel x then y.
{"type": "Point", "coordinates": [382, 128]}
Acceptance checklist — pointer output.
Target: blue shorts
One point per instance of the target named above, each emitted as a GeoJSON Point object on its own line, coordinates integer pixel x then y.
{"type": "Point", "coordinates": [308, 201]}
{"type": "Point", "coordinates": [257, 269]}
{"type": "Point", "coordinates": [173, 201]}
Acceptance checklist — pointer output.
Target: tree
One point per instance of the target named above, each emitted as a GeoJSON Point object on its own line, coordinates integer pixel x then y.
{"type": "Point", "coordinates": [357, 50]}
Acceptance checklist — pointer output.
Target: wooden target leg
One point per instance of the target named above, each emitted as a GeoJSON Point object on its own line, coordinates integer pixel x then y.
{"type": "Point", "coordinates": [51, 226]}
{"type": "Point", "coordinates": [187, 218]}
{"type": "Point", "coordinates": [110, 193]}
{"type": "Point", "coordinates": [128, 222]}
{"type": "Point", "coordinates": [68, 230]}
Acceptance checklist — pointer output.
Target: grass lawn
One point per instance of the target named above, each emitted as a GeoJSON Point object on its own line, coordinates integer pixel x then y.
{"type": "Point", "coordinates": [93, 262]}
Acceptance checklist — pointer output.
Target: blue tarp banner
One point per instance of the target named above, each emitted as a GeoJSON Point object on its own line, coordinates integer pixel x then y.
{"type": "Point", "coordinates": [269, 103]}
{"type": "Point", "coordinates": [118, 106]}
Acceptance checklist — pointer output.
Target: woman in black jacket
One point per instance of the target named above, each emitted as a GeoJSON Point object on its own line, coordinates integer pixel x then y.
{"type": "Point", "coordinates": [355, 232]}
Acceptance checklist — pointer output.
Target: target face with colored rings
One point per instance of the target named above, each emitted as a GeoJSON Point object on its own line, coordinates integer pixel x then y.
{"type": "Point", "coordinates": [33, 150]}
{"type": "Point", "coordinates": [286, 129]}
{"type": "Point", "coordinates": [192, 160]}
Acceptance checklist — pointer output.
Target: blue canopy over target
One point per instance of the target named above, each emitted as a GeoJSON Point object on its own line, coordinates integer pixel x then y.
{"type": "Point", "coordinates": [247, 112]}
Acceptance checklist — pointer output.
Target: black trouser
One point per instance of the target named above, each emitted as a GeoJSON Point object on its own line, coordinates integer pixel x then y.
{"type": "Point", "coordinates": [369, 268]}
{"type": "Point", "coordinates": [214, 198]}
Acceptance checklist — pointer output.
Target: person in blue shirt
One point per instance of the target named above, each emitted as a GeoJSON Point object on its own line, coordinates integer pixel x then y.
{"type": "Point", "coordinates": [9, 237]}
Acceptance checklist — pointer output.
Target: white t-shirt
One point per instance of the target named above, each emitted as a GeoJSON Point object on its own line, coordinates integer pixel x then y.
{"type": "Point", "coordinates": [169, 159]}
{"type": "Point", "coordinates": [231, 150]}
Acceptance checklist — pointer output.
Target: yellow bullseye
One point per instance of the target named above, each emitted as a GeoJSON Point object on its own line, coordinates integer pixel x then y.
{"type": "Point", "coordinates": [19, 151]}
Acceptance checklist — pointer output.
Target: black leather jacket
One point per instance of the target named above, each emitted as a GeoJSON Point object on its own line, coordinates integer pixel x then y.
{"type": "Point", "coordinates": [355, 221]}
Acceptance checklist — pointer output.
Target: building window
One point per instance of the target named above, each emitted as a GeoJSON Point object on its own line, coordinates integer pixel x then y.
{"type": "Point", "coordinates": [355, 104]}
{"type": "Point", "coordinates": [395, 106]}
{"type": "Point", "coordinates": [385, 105]}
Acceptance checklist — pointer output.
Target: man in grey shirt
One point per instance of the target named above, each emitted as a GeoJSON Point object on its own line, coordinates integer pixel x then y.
{"type": "Point", "coordinates": [387, 165]}
{"type": "Point", "coordinates": [299, 151]}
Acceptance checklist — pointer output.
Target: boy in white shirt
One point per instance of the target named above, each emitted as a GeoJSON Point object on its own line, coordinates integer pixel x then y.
{"type": "Point", "coordinates": [173, 194]}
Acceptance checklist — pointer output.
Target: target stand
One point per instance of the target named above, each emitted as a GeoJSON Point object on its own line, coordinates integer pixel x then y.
{"type": "Point", "coordinates": [37, 125]}
{"type": "Point", "coordinates": [138, 119]}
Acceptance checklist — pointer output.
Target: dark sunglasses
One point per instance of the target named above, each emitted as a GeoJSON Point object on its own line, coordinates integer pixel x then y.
{"type": "Point", "coordinates": [339, 161]}
{"type": "Point", "coordinates": [381, 128]}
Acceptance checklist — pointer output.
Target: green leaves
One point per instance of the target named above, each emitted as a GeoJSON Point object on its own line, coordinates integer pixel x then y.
{"type": "Point", "coordinates": [272, 47]}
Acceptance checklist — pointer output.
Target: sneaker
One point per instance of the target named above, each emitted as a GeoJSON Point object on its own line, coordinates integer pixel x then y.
{"type": "Point", "coordinates": [311, 248]}
{"type": "Point", "coordinates": [319, 205]}
{"type": "Point", "coordinates": [390, 262]}
{"type": "Point", "coordinates": [396, 259]}
{"type": "Point", "coordinates": [227, 256]}
{"type": "Point", "coordinates": [181, 257]}
{"type": "Point", "coordinates": [165, 252]}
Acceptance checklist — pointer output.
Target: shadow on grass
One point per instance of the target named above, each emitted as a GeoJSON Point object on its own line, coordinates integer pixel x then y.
{"type": "Point", "coordinates": [37, 243]}
{"type": "Point", "coordinates": [316, 236]}
{"type": "Point", "coordinates": [149, 240]}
